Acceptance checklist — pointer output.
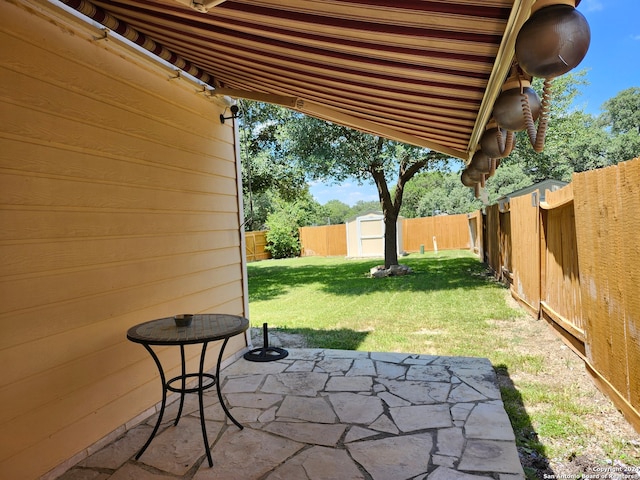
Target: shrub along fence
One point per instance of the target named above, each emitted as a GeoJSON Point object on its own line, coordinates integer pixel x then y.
{"type": "Point", "coordinates": [574, 260]}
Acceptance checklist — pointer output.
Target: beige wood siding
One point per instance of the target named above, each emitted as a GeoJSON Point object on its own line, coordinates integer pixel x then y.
{"type": "Point", "coordinates": [118, 204]}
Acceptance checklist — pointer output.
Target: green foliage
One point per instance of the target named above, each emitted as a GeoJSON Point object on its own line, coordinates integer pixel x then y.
{"type": "Point", "coordinates": [625, 146]}
{"type": "Point", "coordinates": [576, 141]}
{"type": "Point", "coordinates": [338, 211]}
{"type": "Point", "coordinates": [437, 193]}
{"type": "Point", "coordinates": [282, 237]}
{"type": "Point", "coordinates": [283, 222]}
{"type": "Point", "coordinates": [563, 133]}
{"type": "Point", "coordinates": [256, 210]}
{"type": "Point", "coordinates": [329, 151]}
{"type": "Point", "coordinates": [508, 178]}
{"type": "Point", "coordinates": [622, 112]}
{"type": "Point", "coordinates": [363, 207]}
{"type": "Point", "coordinates": [264, 167]}
{"type": "Point", "coordinates": [621, 116]}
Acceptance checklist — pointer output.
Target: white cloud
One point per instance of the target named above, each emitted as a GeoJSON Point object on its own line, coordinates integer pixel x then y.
{"type": "Point", "coordinates": [635, 37]}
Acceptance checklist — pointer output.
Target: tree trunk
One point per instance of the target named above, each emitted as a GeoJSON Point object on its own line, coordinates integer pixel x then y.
{"type": "Point", "coordinates": [390, 214]}
{"type": "Point", "coordinates": [391, 206]}
{"type": "Point", "coordinates": [390, 239]}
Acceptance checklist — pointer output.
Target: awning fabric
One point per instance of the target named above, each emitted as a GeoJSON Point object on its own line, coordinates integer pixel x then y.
{"type": "Point", "coordinates": [423, 72]}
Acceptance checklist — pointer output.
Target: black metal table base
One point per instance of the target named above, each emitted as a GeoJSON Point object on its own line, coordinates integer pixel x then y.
{"type": "Point", "coordinates": [205, 381]}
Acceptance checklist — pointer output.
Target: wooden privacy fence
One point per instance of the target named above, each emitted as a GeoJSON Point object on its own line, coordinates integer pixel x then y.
{"type": "Point", "coordinates": [448, 232]}
{"type": "Point", "coordinates": [451, 232]}
{"type": "Point", "coordinates": [560, 292]}
{"type": "Point", "coordinates": [574, 260]}
{"type": "Point", "coordinates": [255, 243]}
{"type": "Point", "coordinates": [325, 241]}
{"type": "Point", "coordinates": [476, 233]}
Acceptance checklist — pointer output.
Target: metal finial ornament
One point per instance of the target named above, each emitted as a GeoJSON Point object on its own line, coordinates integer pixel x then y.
{"type": "Point", "coordinates": [553, 41]}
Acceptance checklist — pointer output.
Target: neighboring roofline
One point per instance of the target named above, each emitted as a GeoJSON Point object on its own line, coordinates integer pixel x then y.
{"type": "Point", "coordinates": [544, 185]}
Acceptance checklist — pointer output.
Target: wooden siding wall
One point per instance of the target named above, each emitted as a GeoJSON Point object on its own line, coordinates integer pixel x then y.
{"type": "Point", "coordinates": [118, 204]}
{"type": "Point", "coordinates": [451, 232]}
{"type": "Point", "coordinates": [589, 271]}
{"type": "Point", "coordinates": [325, 241]}
{"type": "Point", "coordinates": [525, 252]}
{"type": "Point", "coordinates": [255, 243]}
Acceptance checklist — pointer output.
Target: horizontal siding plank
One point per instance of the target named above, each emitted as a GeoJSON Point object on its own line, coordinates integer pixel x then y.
{"type": "Point", "coordinates": [37, 330]}
{"type": "Point", "coordinates": [190, 172]}
{"type": "Point", "coordinates": [126, 362]}
{"type": "Point", "coordinates": [62, 102]}
{"type": "Point", "coordinates": [32, 191]}
{"type": "Point", "coordinates": [76, 436]}
{"type": "Point", "coordinates": [38, 155]}
{"type": "Point", "coordinates": [20, 224]}
{"type": "Point", "coordinates": [105, 81]}
{"type": "Point", "coordinates": [49, 257]}
{"type": "Point", "coordinates": [21, 122]}
{"type": "Point", "coordinates": [71, 286]}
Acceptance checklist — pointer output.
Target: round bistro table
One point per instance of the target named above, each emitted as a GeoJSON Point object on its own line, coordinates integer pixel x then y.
{"type": "Point", "coordinates": [204, 328]}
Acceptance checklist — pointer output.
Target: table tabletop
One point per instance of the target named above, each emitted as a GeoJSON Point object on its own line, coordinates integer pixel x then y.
{"type": "Point", "coordinates": [205, 327]}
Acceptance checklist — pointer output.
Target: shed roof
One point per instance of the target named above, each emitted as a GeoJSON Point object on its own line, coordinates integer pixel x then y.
{"type": "Point", "coordinates": [422, 72]}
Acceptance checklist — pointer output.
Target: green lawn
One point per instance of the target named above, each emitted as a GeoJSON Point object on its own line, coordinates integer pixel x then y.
{"type": "Point", "coordinates": [450, 305]}
{"type": "Point", "coordinates": [443, 307]}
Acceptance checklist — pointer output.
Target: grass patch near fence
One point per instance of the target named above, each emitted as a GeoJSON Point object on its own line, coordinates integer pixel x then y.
{"type": "Point", "coordinates": [450, 305]}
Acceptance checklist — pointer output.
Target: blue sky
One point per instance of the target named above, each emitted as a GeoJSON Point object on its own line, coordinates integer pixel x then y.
{"type": "Point", "coordinates": [612, 63]}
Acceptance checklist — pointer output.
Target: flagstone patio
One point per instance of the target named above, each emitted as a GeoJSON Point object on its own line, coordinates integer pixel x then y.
{"type": "Point", "coordinates": [330, 415]}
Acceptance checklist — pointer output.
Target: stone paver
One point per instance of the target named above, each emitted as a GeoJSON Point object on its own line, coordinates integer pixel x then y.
{"type": "Point", "coordinates": [330, 415]}
{"type": "Point", "coordinates": [318, 463]}
{"type": "Point", "coordinates": [394, 457]}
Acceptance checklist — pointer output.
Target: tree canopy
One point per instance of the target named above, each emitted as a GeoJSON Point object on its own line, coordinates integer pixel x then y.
{"type": "Point", "coordinates": [327, 151]}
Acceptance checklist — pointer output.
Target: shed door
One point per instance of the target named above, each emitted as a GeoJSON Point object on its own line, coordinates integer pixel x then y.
{"type": "Point", "coordinates": [370, 236]}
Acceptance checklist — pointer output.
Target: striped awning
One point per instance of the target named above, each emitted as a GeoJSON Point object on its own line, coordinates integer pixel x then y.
{"type": "Point", "coordinates": [423, 72]}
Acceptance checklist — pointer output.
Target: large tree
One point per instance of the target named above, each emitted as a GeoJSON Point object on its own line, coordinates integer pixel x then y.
{"type": "Point", "coordinates": [267, 176]}
{"type": "Point", "coordinates": [566, 129]}
{"type": "Point", "coordinates": [622, 112]}
{"type": "Point", "coordinates": [621, 117]}
{"type": "Point", "coordinates": [330, 152]}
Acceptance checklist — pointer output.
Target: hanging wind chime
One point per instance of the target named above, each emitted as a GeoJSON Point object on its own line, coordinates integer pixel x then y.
{"type": "Point", "coordinates": [553, 41]}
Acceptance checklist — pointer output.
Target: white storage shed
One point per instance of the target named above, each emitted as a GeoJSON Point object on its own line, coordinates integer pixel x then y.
{"type": "Point", "coordinates": [365, 235]}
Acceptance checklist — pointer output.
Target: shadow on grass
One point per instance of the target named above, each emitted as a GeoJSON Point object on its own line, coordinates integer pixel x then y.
{"type": "Point", "coordinates": [532, 453]}
{"type": "Point", "coordinates": [351, 277]}
{"type": "Point", "coordinates": [338, 339]}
